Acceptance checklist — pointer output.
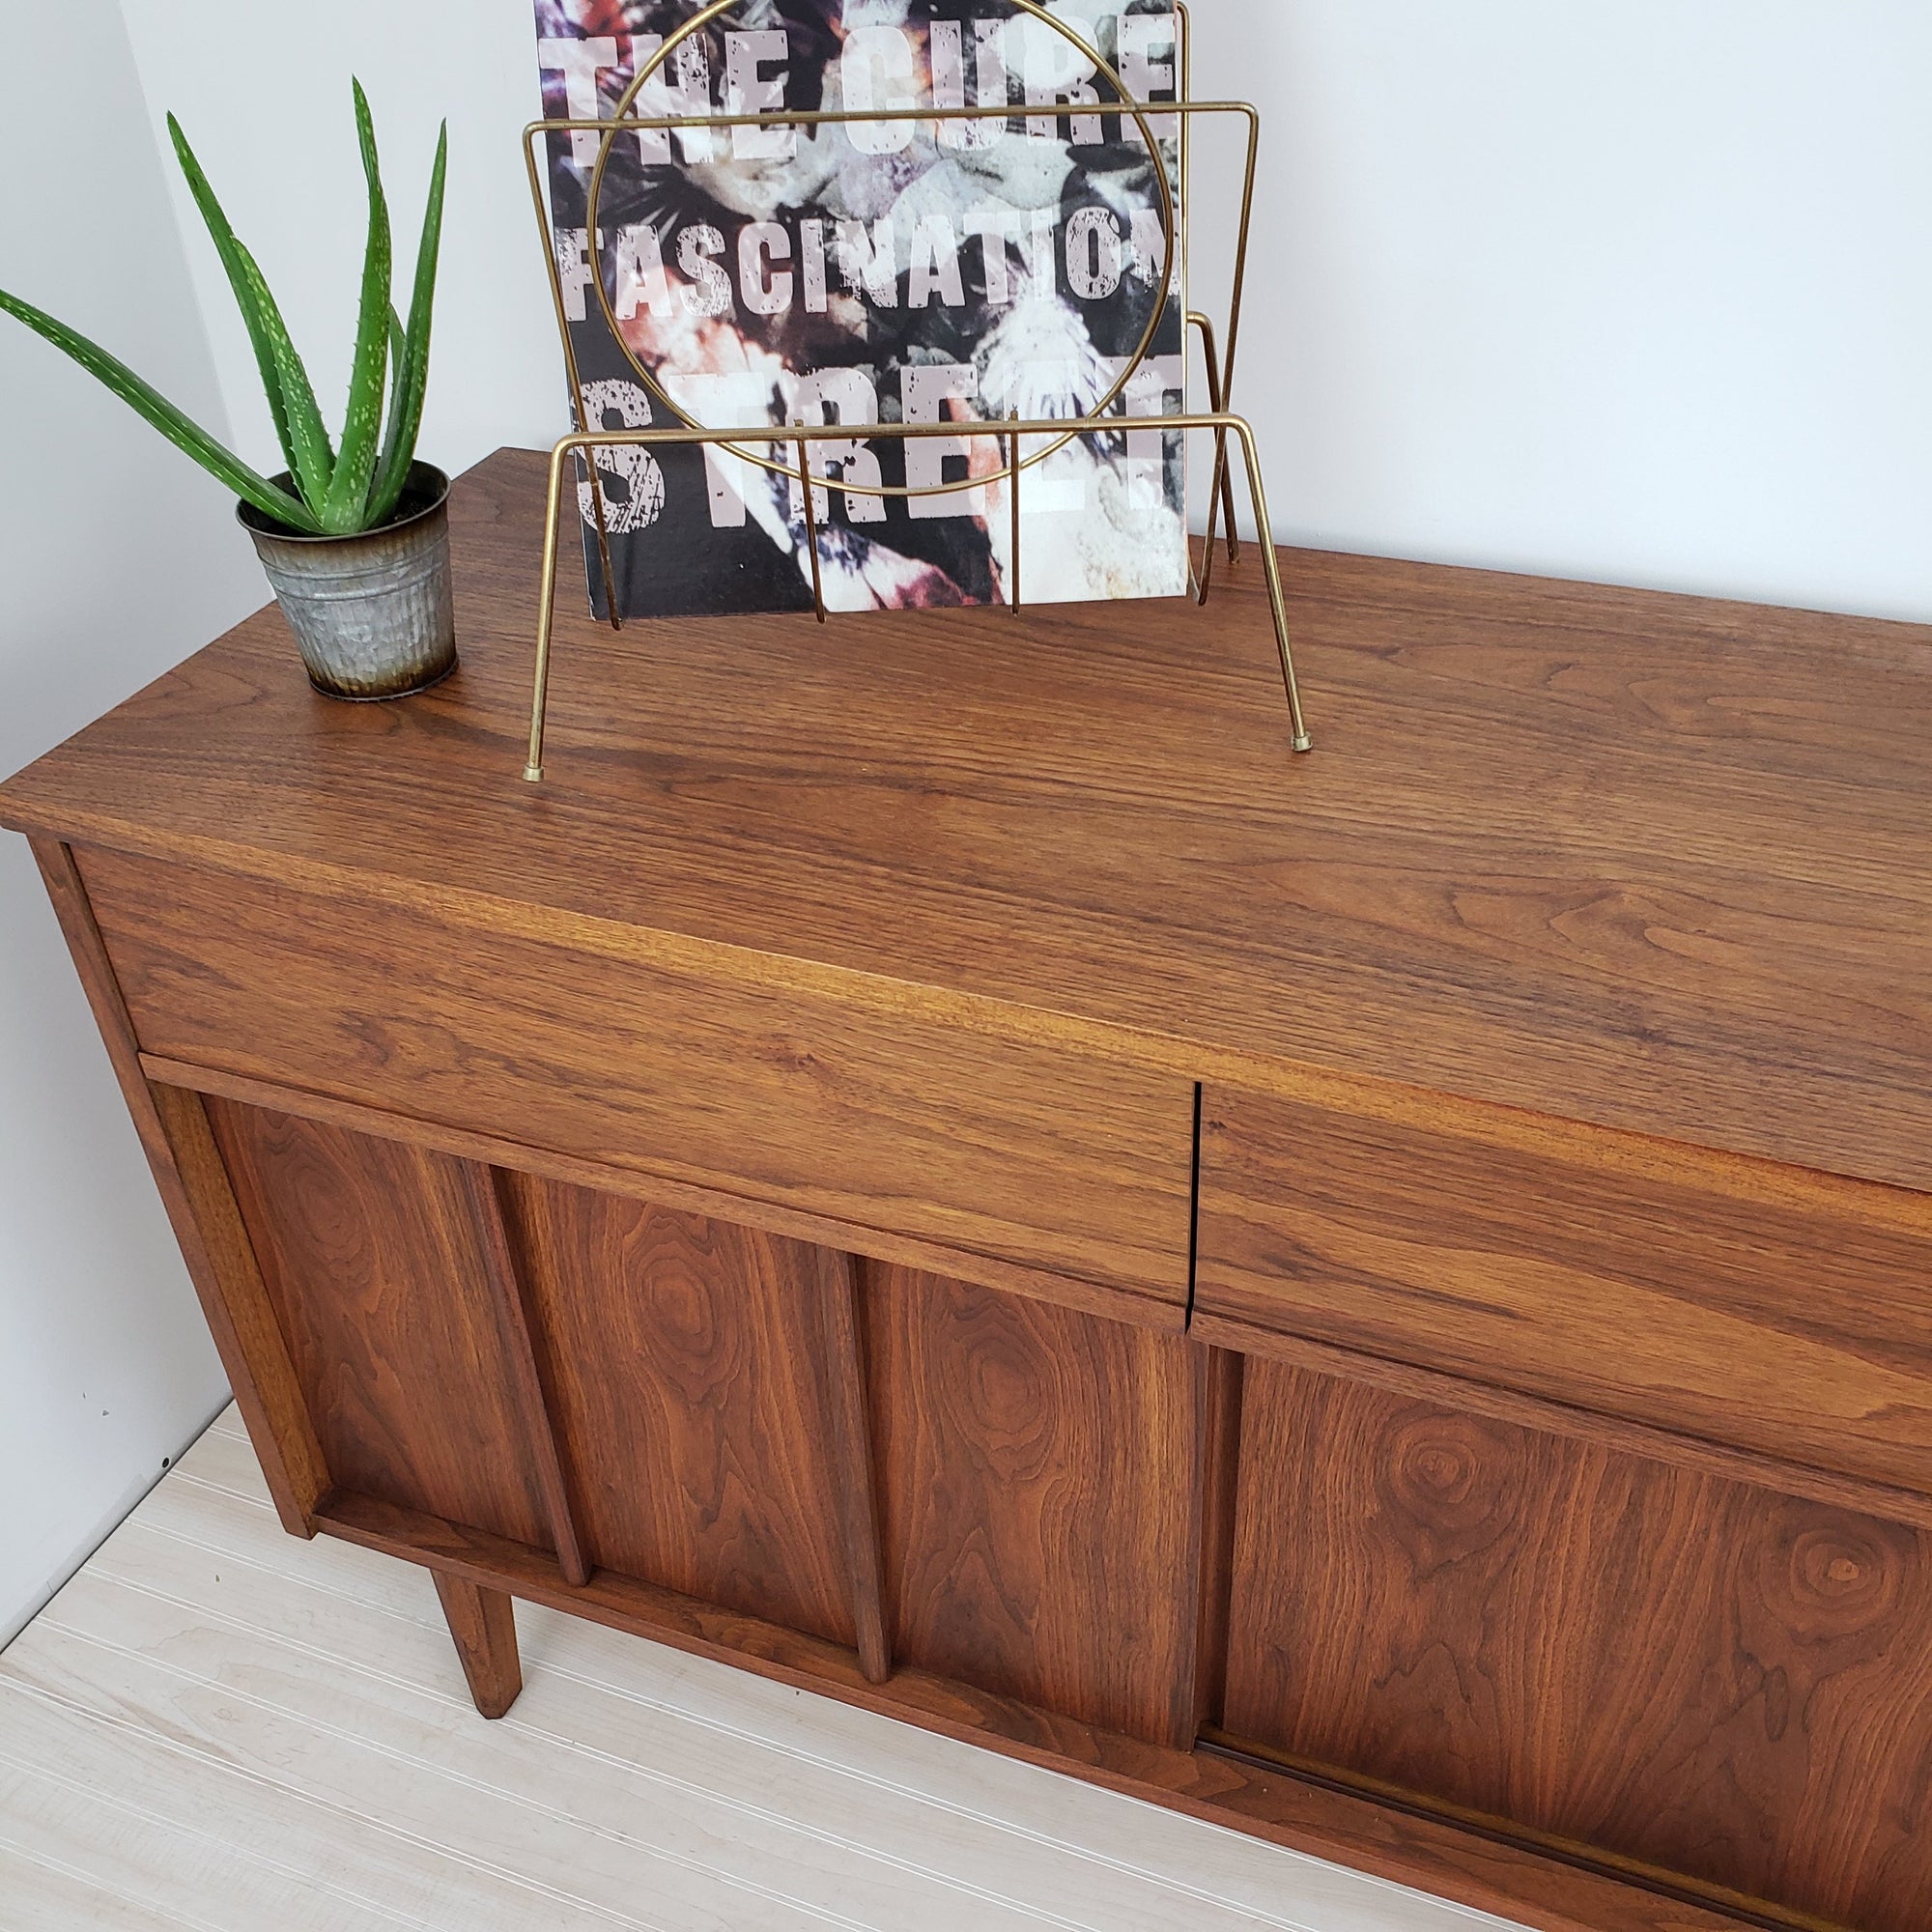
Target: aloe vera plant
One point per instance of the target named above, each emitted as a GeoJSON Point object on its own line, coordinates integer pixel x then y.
{"type": "Point", "coordinates": [339, 489]}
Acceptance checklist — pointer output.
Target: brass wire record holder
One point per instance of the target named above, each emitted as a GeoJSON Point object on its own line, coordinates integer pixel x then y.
{"type": "Point", "coordinates": [794, 441]}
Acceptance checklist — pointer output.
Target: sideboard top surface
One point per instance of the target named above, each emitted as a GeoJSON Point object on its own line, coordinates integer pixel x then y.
{"type": "Point", "coordinates": [1651, 863]}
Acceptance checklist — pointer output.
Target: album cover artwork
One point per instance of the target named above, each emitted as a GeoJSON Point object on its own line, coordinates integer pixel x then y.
{"type": "Point", "coordinates": [874, 273]}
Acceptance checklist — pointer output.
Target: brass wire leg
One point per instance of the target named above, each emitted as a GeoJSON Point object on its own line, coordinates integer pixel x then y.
{"type": "Point", "coordinates": [1220, 422]}
{"type": "Point", "coordinates": [1217, 401]}
{"type": "Point", "coordinates": [1056, 435]}
{"type": "Point", "coordinates": [811, 531]}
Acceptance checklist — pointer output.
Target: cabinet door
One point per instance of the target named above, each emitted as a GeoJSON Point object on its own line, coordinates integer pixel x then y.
{"type": "Point", "coordinates": [1702, 1676]}
{"type": "Point", "coordinates": [371, 1257]}
{"type": "Point", "coordinates": [682, 1356]}
{"type": "Point", "coordinates": [1040, 1478]}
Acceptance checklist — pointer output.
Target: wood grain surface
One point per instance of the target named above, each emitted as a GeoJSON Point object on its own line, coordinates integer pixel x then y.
{"type": "Point", "coordinates": [201, 1209]}
{"type": "Point", "coordinates": [532, 1373]}
{"type": "Point", "coordinates": [1792, 1321]}
{"type": "Point", "coordinates": [1651, 862]}
{"type": "Point", "coordinates": [373, 1263]}
{"type": "Point", "coordinates": [1038, 1471]}
{"type": "Point", "coordinates": [684, 1362]}
{"type": "Point", "coordinates": [1723, 1683]}
{"type": "Point", "coordinates": [844, 1377]}
{"type": "Point", "coordinates": [712, 1204]}
{"type": "Point", "coordinates": [483, 1626]}
{"type": "Point", "coordinates": [1027, 1153]}
{"type": "Point", "coordinates": [612, 1788]}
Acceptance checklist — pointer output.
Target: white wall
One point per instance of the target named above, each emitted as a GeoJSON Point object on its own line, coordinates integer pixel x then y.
{"type": "Point", "coordinates": [262, 88]}
{"type": "Point", "coordinates": [117, 558]}
{"type": "Point", "coordinates": [1639, 293]}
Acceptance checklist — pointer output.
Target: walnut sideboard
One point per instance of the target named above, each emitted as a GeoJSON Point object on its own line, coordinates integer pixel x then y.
{"type": "Point", "coordinates": [1383, 1299]}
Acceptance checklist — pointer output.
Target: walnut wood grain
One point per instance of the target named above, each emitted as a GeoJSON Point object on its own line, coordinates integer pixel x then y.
{"type": "Point", "coordinates": [654, 1190]}
{"type": "Point", "coordinates": [706, 1455]}
{"type": "Point", "coordinates": [1909, 1507]}
{"type": "Point", "coordinates": [1719, 1682]}
{"type": "Point", "coordinates": [371, 1259]}
{"type": "Point", "coordinates": [1788, 1320]}
{"type": "Point", "coordinates": [531, 1376]}
{"type": "Point", "coordinates": [856, 1489]}
{"type": "Point", "coordinates": [201, 1208]}
{"type": "Point", "coordinates": [1391, 1840]}
{"type": "Point", "coordinates": [1036, 1470]}
{"type": "Point", "coordinates": [1649, 861]}
{"type": "Point", "coordinates": [483, 1624]}
{"type": "Point", "coordinates": [1215, 1492]}
{"type": "Point", "coordinates": [1033, 1154]}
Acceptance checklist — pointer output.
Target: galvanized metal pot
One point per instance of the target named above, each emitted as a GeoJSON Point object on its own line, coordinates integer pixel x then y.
{"type": "Point", "coordinates": [372, 613]}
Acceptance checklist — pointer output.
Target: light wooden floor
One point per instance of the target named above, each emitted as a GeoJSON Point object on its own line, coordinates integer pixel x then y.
{"type": "Point", "coordinates": [215, 1726]}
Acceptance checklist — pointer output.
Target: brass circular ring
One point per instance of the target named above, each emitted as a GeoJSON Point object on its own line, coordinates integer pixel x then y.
{"type": "Point", "coordinates": [1124, 104]}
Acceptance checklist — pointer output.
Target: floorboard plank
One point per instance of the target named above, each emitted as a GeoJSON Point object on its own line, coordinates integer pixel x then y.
{"type": "Point", "coordinates": [43, 1897]}
{"type": "Point", "coordinates": [395, 1767]}
{"type": "Point", "coordinates": [193, 1878]}
{"type": "Point", "coordinates": [193, 1796]}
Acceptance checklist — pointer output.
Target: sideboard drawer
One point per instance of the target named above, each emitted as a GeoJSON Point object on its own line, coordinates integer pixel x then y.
{"type": "Point", "coordinates": [1776, 1311]}
{"type": "Point", "coordinates": [859, 1111]}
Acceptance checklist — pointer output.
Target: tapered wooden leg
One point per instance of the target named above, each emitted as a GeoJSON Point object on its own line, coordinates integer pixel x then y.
{"type": "Point", "coordinates": [484, 1624]}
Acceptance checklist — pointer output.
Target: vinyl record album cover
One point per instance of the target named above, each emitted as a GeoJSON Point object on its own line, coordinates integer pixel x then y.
{"type": "Point", "coordinates": [874, 273]}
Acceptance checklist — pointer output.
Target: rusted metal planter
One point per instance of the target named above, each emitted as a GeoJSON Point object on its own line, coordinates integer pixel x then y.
{"type": "Point", "coordinates": [372, 613]}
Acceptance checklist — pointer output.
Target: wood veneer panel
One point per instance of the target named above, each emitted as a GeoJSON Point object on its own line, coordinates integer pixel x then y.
{"type": "Point", "coordinates": [841, 1376]}
{"type": "Point", "coordinates": [371, 1259]}
{"type": "Point", "coordinates": [1715, 1680]}
{"type": "Point", "coordinates": [1784, 1315]}
{"type": "Point", "coordinates": [488, 1195]}
{"type": "Point", "coordinates": [1038, 1471]}
{"type": "Point", "coordinates": [684, 1366]}
{"type": "Point", "coordinates": [492, 1150]}
{"type": "Point", "coordinates": [1656, 863]}
{"type": "Point", "coordinates": [201, 1208]}
{"type": "Point", "coordinates": [1029, 1152]}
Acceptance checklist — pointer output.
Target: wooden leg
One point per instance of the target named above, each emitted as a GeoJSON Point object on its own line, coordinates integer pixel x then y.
{"type": "Point", "coordinates": [484, 1624]}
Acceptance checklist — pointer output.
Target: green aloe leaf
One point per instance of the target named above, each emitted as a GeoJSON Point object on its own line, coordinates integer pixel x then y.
{"type": "Point", "coordinates": [345, 510]}
{"type": "Point", "coordinates": [313, 463]}
{"type": "Point", "coordinates": [411, 372]}
{"type": "Point", "coordinates": [381, 504]}
{"type": "Point", "coordinates": [230, 251]}
{"type": "Point", "coordinates": [180, 430]}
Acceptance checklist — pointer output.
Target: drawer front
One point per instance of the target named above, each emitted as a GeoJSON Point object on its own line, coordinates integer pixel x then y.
{"type": "Point", "coordinates": [1790, 1315]}
{"type": "Point", "coordinates": [986, 1145]}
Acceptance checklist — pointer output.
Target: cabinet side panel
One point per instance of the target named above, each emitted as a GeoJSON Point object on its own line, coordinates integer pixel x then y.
{"type": "Point", "coordinates": [1035, 1467]}
{"type": "Point", "coordinates": [1712, 1679]}
{"type": "Point", "coordinates": [370, 1255]}
{"type": "Point", "coordinates": [682, 1359]}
